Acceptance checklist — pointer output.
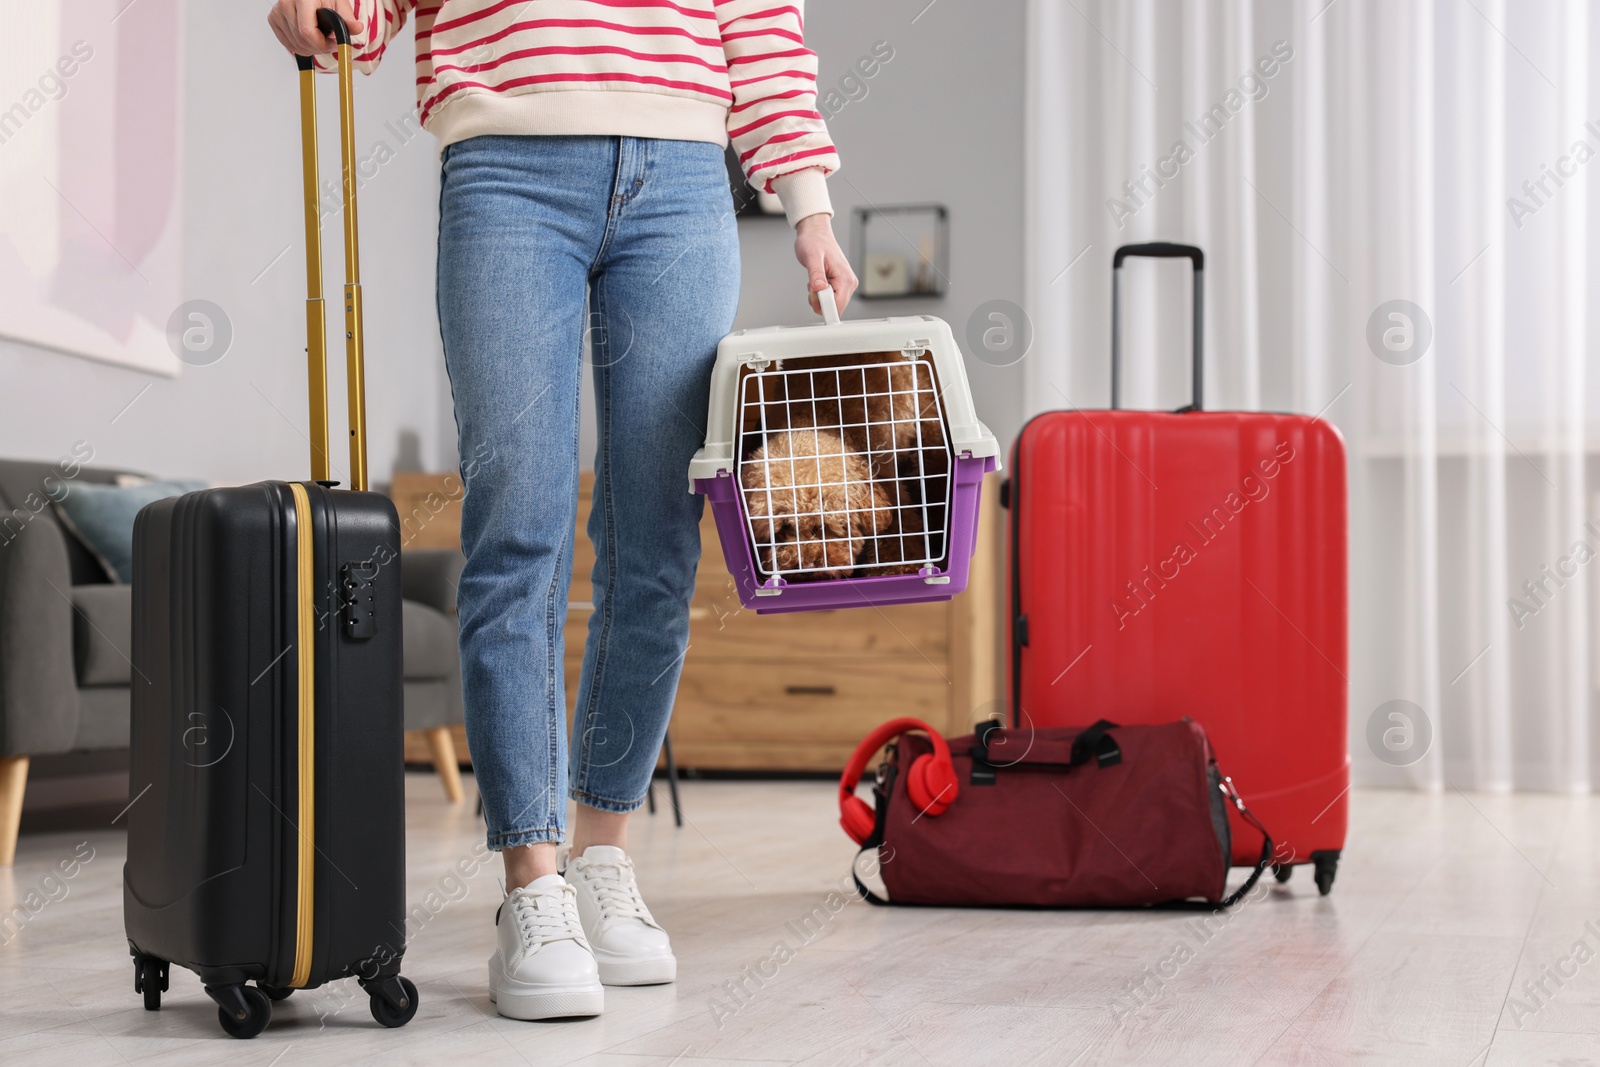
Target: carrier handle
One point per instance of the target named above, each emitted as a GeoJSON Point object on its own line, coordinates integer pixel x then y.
{"type": "Point", "coordinates": [830, 306]}
{"type": "Point", "coordinates": [332, 25]}
{"type": "Point", "coordinates": [1158, 250]}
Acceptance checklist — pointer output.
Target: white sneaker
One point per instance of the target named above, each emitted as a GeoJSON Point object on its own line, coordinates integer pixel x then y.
{"type": "Point", "coordinates": [629, 945]}
{"type": "Point", "coordinates": [543, 968]}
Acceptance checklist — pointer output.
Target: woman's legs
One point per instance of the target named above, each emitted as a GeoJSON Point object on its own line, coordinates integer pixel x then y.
{"type": "Point", "coordinates": [527, 225]}
{"type": "Point", "coordinates": [521, 221]}
{"type": "Point", "coordinates": [596, 827]}
{"type": "Point", "coordinates": [665, 293]}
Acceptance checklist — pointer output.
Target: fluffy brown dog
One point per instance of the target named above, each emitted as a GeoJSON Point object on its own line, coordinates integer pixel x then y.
{"type": "Point", "coordinates": [812, 504]}
{"type": "Point", "coordinates": [901, 539]}
{"type": "Point", "coordinates": [881, 404]}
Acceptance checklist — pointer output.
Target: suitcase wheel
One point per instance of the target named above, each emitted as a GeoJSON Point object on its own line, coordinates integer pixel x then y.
{"type": "Point", "coordinates": [150, 978]}
{"type": "Point", "coordinates": [1326, 865]}
{"type": "Point", "coordinates": [1281, 872]}
{"type": "Point", "coordinates": [394, 1000]}
{"type": "Point", "coordinates": [274, 992]}
{"type": "Point", "coordinates": [244, 1011]}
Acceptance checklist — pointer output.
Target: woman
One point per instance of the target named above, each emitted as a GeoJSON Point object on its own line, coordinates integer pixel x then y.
{"type": "Point", "coordinates": [584, 198]}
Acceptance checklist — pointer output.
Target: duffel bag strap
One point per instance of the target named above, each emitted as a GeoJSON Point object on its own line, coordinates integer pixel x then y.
{"type": "Point", "coordinates": [1266, 844]}
{"type": "Point", "coordinates": [880, 790]}
{"type": "Point", "coordinates": [1097, 742]}
{"type": "Point", "coordinates": [861, 887]}
{"type": "Point", "coordinates": [993, 745]}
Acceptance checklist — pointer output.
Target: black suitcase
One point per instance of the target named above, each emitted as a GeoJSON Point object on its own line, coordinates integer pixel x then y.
{"type": "Point", "coordinates": [266, 832]}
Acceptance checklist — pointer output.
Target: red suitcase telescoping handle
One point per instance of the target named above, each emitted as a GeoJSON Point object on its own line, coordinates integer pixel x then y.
{"type": "Point", "coordinates": [1159, 250]}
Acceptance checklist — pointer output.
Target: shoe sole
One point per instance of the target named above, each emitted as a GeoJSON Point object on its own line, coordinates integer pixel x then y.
{"type": "Point", "coordinates": [659, 971]}
{"type": "Point", "coordinates": [533, 1003]}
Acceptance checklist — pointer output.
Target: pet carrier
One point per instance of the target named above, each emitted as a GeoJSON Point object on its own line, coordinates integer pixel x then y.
{"type": "Point", "coordinates": [843, 463]}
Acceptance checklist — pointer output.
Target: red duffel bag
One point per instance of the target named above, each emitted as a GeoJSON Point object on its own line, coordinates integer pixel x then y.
{"type": "Point", "coordinates": [1106, 816]}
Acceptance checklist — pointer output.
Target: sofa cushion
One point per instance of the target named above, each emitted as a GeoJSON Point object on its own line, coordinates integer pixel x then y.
{"type": "Point", "coordinates": [102, 633]}
{"type": "Point", "coordinates": [102, 626]}
{"type": "Point", "coordinates": [27, 489]}
{"type": "Point", "coordinates": [431, 702]}
{"type": "Point", "coordinates": [101, 516]}
{"type": "Point", "coordinates": [430, 642]}
{"type": "Point", "coordinates": [102, 718]}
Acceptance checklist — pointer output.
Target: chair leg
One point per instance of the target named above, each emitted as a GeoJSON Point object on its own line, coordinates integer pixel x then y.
{"type": "Point", "coordinates": [672, 780]}
{"type": "Point", "coordinates": [13, 781]}
{"type": "Point", "coordinates": [443, 747]}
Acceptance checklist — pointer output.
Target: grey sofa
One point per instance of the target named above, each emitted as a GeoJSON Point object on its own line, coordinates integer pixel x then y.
{"type": "Point", "coordinates": [65, 630]}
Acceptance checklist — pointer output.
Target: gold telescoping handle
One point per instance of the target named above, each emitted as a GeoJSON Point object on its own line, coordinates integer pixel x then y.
{"type": "Point", "coordinates": [316, 318]}
{"type": "Point", "coordinates": [354, 352]}
{"type": "Point", "coordinates": [329, 22]}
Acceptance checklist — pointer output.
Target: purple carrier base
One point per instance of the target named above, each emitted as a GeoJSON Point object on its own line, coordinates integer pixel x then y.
{"type": "Point", "coordinates": [777, 597]}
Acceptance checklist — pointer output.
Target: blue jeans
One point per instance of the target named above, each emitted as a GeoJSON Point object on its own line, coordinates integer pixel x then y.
{"type": "Point", "coordinates": [545, 242]}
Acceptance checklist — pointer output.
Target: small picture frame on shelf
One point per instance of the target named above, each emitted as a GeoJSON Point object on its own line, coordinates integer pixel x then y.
{"type": "Point", "coordinates": [748, 201]}
{"type": "Point", "coordinates": [902, 251]}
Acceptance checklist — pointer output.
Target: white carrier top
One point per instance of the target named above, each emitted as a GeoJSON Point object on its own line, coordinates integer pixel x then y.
{"type": "Point", "coordinates": [761, 348]}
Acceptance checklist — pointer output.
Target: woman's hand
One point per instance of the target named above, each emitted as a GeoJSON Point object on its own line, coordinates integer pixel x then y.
{"type": "Point", "coordinates": [295, 23]}
{"type": "Point", "coordinates": [823, 260]}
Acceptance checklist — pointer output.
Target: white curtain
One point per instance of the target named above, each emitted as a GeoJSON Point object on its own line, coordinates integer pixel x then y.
{"type": "Point", "coordinates": [1339, 156]}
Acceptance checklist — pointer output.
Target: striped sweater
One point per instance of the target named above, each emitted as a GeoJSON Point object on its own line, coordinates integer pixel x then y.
{"type": "Point", "coordinates": [690, 70]}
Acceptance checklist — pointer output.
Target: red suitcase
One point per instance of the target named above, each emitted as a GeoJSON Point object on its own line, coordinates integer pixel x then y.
{"type": "Point", "coordinates": [1193, 563]}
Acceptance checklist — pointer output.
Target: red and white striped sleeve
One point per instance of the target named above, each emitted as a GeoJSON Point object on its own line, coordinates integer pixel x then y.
{"type": "Point", "coordinates": [773, 122]}
{"type": "Point", "coordinates": [380, 21]}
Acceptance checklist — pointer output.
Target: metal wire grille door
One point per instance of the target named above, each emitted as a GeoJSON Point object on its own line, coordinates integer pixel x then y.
{"type": "Point", "coordinates": [845, 467]}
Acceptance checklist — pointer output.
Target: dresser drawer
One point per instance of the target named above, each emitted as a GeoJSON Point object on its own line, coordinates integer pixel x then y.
{"type": "Point", "coordinates": [792, 701]}
{"type": "Point", "coordinates": [720, 630]}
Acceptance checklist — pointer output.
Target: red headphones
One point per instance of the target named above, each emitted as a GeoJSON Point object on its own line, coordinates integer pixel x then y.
{"type": "Point", "coordinates": [931, 782]}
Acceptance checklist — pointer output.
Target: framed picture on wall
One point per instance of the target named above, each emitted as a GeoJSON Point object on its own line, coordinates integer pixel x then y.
{"type": "Point", "coordinates": [902, 251]}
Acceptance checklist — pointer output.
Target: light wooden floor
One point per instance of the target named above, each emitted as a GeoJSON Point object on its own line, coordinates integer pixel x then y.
{"type": "Point", "coordinates": [1445, 906]}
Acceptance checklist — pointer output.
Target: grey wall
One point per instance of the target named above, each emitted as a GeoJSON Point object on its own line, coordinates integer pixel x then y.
{"type": "Point", "coordinates": [942, 121]}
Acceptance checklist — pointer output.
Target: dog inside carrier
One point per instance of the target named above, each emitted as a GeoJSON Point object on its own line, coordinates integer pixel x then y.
{"type": "Point", "coordinates": [843, 462]}
{"type": "Point", "coordinates": [845, 466]}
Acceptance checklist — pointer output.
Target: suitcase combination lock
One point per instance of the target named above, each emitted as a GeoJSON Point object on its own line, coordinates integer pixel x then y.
{"type": "Point", "coordinates": [359, 610]}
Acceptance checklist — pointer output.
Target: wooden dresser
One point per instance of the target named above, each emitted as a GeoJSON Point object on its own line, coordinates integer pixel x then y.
{"type": "Point", "coordinates": [798, 692]}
